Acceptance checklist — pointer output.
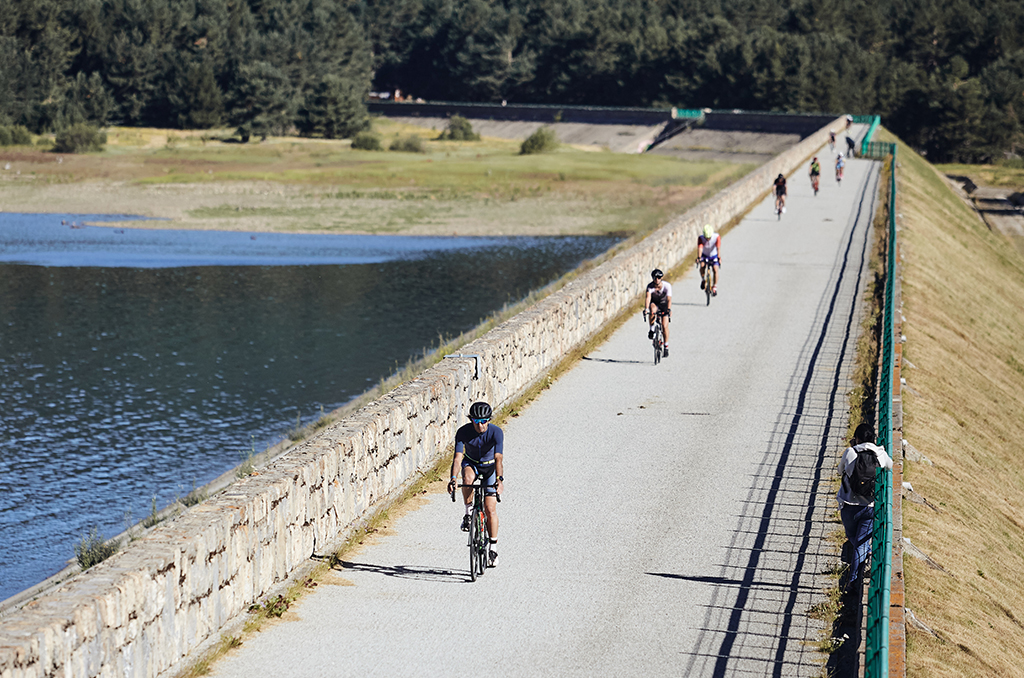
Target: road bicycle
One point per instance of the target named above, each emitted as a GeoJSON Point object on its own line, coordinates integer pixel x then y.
{"type": "Point", "coordinates": [479, 544]}
{"type": "Point", "coordinates": [709, 278]}
{"type": "Point", "coordinates": [659, 336]}
{"type": "Point", "coordinates": [814, 182]}
{"type": "Point", "coordinates": [839, 174]}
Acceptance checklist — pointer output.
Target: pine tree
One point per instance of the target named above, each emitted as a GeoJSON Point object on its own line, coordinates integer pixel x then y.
{"type": "Point", "coordinates": [334, 109]}
{"type": "Point", "coordinates": [263, 101]}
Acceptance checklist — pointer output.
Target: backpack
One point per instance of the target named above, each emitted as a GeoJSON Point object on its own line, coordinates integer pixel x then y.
{"type": "Point", "coordinates": [862, 478]}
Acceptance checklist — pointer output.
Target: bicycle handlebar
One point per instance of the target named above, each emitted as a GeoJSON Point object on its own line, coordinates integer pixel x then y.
{"type": "Point", "coordinates": [478, 486]}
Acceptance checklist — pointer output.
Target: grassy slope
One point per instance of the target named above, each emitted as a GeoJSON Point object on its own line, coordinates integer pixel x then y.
{"type": "Point", "coordinates": [963, 290]}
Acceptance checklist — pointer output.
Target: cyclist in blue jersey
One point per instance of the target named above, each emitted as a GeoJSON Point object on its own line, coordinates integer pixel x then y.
{"type": "Point", "coordinates": [658, 299]}
{"type": "Point", "coordinates": [478, 453]}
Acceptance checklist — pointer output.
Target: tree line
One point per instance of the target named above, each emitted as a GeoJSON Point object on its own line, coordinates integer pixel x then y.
{"type": "Point", "coordinates": [947, 76]}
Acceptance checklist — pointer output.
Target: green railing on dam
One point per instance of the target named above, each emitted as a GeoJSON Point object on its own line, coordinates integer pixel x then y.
{"type": "Point", "coordinates": [866, 148]}
{"type": "Point", "coordinates": [876, 647]}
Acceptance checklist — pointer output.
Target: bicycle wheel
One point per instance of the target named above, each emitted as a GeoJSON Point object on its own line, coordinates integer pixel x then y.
{"type": "Point", "coordinates": [482, 545]}
{"type": "Point", "coordinates": [474, 542]}
{"type": "Point", "coordinates": [709, 275]}
{"type": "Point", "coordinates": [657, 343]}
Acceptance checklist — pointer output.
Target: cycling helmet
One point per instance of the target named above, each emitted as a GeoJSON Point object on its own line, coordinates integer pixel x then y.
{"type": "Point", "coordinates": [779, 177]}
{"type": "Point", "coordinates": [840, 155]}
{"type": "Point", "coordinates": [708, 231]}
{"type": "Point", "coordinates": [656, 273]}
{"type": "Point", "coordinates": [480, 410]}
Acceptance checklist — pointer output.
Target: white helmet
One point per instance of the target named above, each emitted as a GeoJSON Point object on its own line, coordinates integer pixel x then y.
{"type": "Point", "coordinates": [840, 155]}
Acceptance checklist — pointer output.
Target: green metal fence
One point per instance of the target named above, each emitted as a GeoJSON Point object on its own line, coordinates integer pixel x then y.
{"type": "Point", "coordinates": [876, 659]}
{"type": "Point", "coordinates": [873, 121]}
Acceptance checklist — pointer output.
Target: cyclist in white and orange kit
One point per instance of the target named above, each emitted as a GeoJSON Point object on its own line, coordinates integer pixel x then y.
{"type": "Point", "coordinates": [709, 246]}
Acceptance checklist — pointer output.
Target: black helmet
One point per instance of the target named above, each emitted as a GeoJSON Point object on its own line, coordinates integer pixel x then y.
{"type": "Point", "coordinates": [781, 177]}
{"type": "Point", "coordinates": [480, 410]}
{"type": "Point", "coordinates": [656, 273]}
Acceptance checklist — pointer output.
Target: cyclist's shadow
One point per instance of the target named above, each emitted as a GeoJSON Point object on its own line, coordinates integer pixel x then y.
{"type": "Point", "coordinates": [617, 362]}
{"type": "Point", "coordinates": [409, 572]}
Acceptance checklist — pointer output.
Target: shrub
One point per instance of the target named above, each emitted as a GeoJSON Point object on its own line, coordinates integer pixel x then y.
{"type": "Point", "coordinates": [409, 144]}
{"type": "Point", "coordinates": [93, 549]}
{"type": "Point", "coordinates": [79, 138]}
{"type": "Point", "coordinates": [541, 141]}
{"type": "Point", "coordinates": [366, 141]}
{"type": "Point", "coordinates": [459, 129]}
{"type": "Point", "coordinates": [20, 136]}
{"type": "Point", "coordinates": [15, 135]}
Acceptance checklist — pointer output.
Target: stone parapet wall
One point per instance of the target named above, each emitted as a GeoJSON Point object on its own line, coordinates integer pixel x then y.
{"type": "Point", "coordinates": [143, 611]}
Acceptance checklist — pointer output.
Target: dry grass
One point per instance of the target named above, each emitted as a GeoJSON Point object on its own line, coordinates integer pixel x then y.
{"type": "Point", "coordinates": [963, 290]}
{"type": "Point", "coordinates": [291, 184]}
{"type": "Point", "coordinates": [1003, 176]}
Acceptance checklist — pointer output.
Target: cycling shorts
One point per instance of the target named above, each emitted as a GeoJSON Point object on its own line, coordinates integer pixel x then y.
{"type": "Point", "coordinates": [713, 260]}
{"type": "Point", "coordinates": [488, 472]}
{"type": "Point", "coordinates": [662, 305]}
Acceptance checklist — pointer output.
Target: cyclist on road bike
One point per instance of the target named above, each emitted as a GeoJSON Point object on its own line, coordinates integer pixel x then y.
{"type": "Point", "coordinates": [658, 299]}
{"type": "Point", "coordinates": [840, 164]}
{"type": "Point", "coordinates": [478, 454]}
{"type": "Point", "coordinates": [779, 187]}
{"type": "Point", "coordinates": [815, 174]}
{"type": "Point", "coordinates": [709, 246]}
{"type": "Point", "coordinates": [832, 140]}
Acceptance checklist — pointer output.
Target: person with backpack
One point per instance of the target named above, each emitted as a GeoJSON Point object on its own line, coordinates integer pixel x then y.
{"type": "Point", "coordinates": [858, 467]}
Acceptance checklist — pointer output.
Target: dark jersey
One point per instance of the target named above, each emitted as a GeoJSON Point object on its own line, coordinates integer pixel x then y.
{"type": "Point", "coordinates": [780, 187]}
{"type": "Point", "coordinates": [479, 448]}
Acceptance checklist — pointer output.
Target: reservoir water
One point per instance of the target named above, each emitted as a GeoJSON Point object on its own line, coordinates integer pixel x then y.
{"type": "Point", "coordinates": [139, 362]}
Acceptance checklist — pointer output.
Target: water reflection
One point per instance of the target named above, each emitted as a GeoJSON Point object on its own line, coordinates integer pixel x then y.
{"type": "Point", "coordinates": [117, 384]}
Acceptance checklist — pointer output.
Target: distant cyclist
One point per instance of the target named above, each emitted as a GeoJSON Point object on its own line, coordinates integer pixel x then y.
{"type": "Point", "coordinates": [840, 164]}
{"type": "Point", "coordinates": [851, 146]}
{"type": "Point", "coordinates": [478, 454]}
{"type": "Point", "coordinates": [779, 188]}
{"type": "Point", "coordinates": [815, 174]}
{"type": "Point", "coordinates": [709, 246]}
{"type": "Point", "coordinates": [832, 140]}
{"type": "Point", "coordinates": [658, 303]}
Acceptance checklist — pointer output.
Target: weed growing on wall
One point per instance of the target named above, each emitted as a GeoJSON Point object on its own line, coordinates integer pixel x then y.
{"type": "Point", "coordinates": [93, 549]}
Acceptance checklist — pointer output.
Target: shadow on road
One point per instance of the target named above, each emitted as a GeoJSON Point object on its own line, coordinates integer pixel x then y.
{"type": "Point", "coordinates": [618, 362]}
{"type": "Point", "coordinates": [409, 572]}
{"type": "Point", "coordinates": [724, 581]}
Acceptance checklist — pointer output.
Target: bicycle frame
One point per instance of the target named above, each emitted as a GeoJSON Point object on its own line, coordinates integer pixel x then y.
{"type": "Point", "coordinates": [478, 535]}
{"type": "Point", "coordinates": [709, 277]}
{"type": "Point", "coordinates": [659, 336]}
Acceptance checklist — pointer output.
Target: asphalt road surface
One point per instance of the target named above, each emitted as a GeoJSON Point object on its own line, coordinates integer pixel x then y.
{"type": "Point", "coordinates": [657, 520]}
